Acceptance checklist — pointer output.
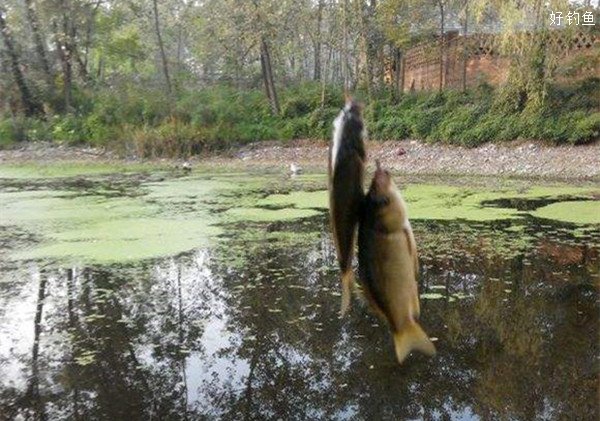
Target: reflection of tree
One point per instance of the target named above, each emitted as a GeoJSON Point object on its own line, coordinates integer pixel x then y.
{"type": "Point", "coordinates": [493, 357]}
{"type": "Point", "coordinates": [122, 362]}
{"type": "Point", "coordinates": [72, 327]}
{"type": "Point", "coordinates": [303, 361]}
{"type": "Point", "coordinates": [251, 331]}
{"type": "Point", "coordinates": [33, 389]}
{"type": "Point", "coordinates": [519, 318]}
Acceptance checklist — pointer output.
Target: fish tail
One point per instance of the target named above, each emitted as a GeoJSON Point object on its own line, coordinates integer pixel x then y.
{"type": "Point", "coordinates": [410, 337]}
{"type": "Point", "coordinates": [347, 284]}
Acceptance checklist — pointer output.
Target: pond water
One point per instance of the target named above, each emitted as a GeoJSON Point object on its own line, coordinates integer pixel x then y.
{"type": "Point", "coordinates": [151, 294]}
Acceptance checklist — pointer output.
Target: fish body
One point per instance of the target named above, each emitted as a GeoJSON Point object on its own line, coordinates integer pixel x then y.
{"type": "Point", "coordinates": [346, 176]}
{"type": "Point", "coordinates": [388, 265]}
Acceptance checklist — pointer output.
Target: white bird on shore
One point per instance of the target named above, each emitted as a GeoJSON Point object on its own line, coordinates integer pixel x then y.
{"type": "Point", "coordinates": [295, 169]}
{"type": "Point", "coordinates": [186, 167]}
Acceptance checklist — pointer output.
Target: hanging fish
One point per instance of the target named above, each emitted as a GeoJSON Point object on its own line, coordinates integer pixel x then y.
{"type": "Point", "coordinates": [346, 175]}
{"type": "Point", "coordinates": [388, 264]}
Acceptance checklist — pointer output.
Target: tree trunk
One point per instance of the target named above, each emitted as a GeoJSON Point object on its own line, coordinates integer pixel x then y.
{"type": "Point", "coordinates": [267, 68]}
{"type": "Point", "coordinates": [329, 66]}
{"type": "Point", "coordinates": [65, 58]}
{"type": "Point", "coordinates": [324, 76]}
{"type": "Point", "coordinates": [367, 47]}
{"type": "Point", "coordinates": [317, 68]}
{"type": "Point", "coordinates": [536, 86]}
{"type": "Point", "coordinates": [88, 32]}
{"type": "Point", "coordinates": [161, 47]}
{"type": "Point", "coordinates": [402, 73]}
{"type": "Point", "coordinates": [37, 39]}
{"type": "Point", "coordinates": [73, 50]}
{"type": "Point", "coordinates": [81, 66]}
{"type": "Point", "coordinates": [64, 55]}
{"type": "Point", "coordinates": [465, 47]}
{"type": "Point", "coordinates": [100, 69]}
{"type": "Point", "coordinates": [179, 66]}
{"type": "Point", "coordinates": [345, 64]}
{"type": "Point", "coordinates": [29, 103]}
{"type": "Point", "coordinates": [398, 73]}
{"type": "Point", "coordinates": [263, 67]}
{"type": "Point", "coordinates": [442, 44]}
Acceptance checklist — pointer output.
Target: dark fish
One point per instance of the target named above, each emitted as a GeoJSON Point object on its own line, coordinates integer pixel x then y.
{"type": "Point", "coordinates": [388, 264]}
{"type": "Point", "coordinates": [346, 175]}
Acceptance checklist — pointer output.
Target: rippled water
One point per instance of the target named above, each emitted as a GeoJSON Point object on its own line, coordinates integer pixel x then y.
{"type": "Point", "coordinates": [244, 325]}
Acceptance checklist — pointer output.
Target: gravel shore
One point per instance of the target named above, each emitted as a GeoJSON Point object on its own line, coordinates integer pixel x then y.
{"type": "Point", "coordinates": [524, 159]}
{"type": "Point", "coordinates": [527, 159]}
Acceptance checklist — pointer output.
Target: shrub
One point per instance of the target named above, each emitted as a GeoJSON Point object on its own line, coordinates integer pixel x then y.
{"type": "Point", "coordinates": [422, 122]}
{"type": "Point", "coordinates": [320, 122]}
{"type": "Point", "coordinates": [68, 128]}
{"type": "Point", "coordinates": [295, 128]}
{"type": "Point", "coordinates": [295, 107]}
{"type": "Point", "coordinates": [97, 132]}
{"type": "Point", "coordinates": [217, 117]}
{"type": "Point", "coordinates": [8, 133]}
{"type": "Point", "coordinates": [393, 128]}
{"type": "Point", "coordinates": [252, 132]}
{"type": "Point", "coordinates": [586, 129]}
{"type": "Point", "coordinates": [454, 124]}
{"type": "Point", "coordinates": [486, 129]}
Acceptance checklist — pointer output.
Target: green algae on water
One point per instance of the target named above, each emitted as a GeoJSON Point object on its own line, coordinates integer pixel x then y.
{"type": "Point", "coordinates": [298, 199]}
{"type": "Point", "coordinates": [100, 229]}
{"type": "Point", "coordinates": [267, 215]}
{"type": "Point", "coordinates": [123, 240]}
{"type": "Point", "coordinates": [441, 202]}
{"type": "Point", "coordinates": [576, 212]}
{"type": "Point", "coordinates": [179, 214]}
{"type": "Point", "coordinates": [36, 170]}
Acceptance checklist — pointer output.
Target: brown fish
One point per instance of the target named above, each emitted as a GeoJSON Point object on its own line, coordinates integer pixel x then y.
{"type": "Point", "coordinates": [388, 264]}
{"type": "Point", "coordinates": [346, 176]}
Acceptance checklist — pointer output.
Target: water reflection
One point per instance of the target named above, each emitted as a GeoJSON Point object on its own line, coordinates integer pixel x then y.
{"type": "Point", "coordinates": [249, 330]}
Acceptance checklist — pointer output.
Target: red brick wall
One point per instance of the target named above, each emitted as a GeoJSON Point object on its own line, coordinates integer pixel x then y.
{"type": "Point", "coordinates": [485, 63]}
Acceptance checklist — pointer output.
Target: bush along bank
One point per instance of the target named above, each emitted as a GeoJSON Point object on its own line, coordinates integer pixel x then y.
{"type": "Point", "coordinates": [145, 123]}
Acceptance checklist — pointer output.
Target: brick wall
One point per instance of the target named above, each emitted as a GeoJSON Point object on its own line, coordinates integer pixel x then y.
{"type": "Point", "coordinates": [487, 61]}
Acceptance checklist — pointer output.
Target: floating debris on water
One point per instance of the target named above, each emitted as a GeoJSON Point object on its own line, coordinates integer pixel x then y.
{"type": "Point", "coordinates": [432, 296]}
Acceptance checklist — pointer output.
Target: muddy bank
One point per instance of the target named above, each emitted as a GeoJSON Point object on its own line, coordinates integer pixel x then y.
{"type": "Point", "coordinates": [525, 159]}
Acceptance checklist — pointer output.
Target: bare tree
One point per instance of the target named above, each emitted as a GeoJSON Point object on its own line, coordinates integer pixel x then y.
{"type": "Point", "coordinates": [64, 50]}
{"type": "Point", "coordinates": [37, 38]}
{"type": "Point", "coordinates": [161, 47]}
{"type": "Point", "coordinates": [465, 51]}
{"type": "Point", "coordinates": [345, 63]}
{"type": "Point", "coordinates": [29, 103]}
{"type": "Point", "coordinates": [317, 42]}
{"type": "Point", "coordinates": [267, 71]}
{"type": "Point", "coordinates": [442, 8]}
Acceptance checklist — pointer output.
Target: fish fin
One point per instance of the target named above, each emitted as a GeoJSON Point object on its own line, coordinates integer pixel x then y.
{"type": "Point", "coordinates": [373, 303]}
{"type": "Point", "coordinates": [412, 247]}
{"type": "Point", "coordinates": [412, 337]}
{"type": "Point", "coordinates": [347, 284]}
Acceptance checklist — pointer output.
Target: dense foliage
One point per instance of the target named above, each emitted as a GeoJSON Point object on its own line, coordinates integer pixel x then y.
{"type": "Point", "coordinates": [221, 117]}
{"type": "Point", "coordinates": [178, 77]}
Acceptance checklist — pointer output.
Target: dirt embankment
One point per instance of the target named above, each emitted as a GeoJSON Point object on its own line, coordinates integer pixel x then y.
{"type": "Point", "coordinates": [526, 159]}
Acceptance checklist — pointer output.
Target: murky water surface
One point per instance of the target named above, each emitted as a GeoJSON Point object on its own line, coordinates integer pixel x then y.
{"type": "Point", "coordinates": [155, 295]}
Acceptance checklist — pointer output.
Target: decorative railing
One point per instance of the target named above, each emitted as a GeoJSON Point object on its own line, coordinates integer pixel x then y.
{"type": "Point", "coordinates": [482, 45]}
